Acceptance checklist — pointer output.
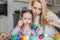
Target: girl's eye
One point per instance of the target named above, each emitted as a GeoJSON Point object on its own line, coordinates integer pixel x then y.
{"type": "Point", "coordinates": [25, 18]}
{"type": "Point", "coordinates": [29, 19]}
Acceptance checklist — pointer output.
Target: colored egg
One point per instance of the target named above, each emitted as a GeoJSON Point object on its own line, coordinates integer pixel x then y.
{"type": "Point", "coordinates": [13, 38]}
{"type": "Point", "coordinates": [44, 34]}
{"type": "Point", "coordinates": [27, 37]}
{"type": "Point", "coordinates": [35, 27]}
{"type": "Point", "coordinates": [24, 38]}
{"type": "Point", "coordinates": [15, 35]}
{"type": "Point", "coordinates": [56, 38]}
{"type": "Point", "coordinates": [57, 35]}
{"type": "Point", "coordinates": [18, 38]}
{"type": "Point", "coordinates": [21, 38]}
{"type": "Point", "coordinates": [41, 37]}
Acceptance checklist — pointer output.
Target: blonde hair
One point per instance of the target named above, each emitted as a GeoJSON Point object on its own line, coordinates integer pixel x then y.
{"type": "Point", "coordinates": [44, 10]}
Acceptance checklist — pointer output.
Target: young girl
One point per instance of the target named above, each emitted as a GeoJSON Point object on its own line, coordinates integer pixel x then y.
{"type": "Point", "coordinates": [25, 24]}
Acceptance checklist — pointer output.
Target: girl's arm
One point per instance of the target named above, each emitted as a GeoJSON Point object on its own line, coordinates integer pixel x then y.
{"type": "Point", "coordinates": [17, 28]}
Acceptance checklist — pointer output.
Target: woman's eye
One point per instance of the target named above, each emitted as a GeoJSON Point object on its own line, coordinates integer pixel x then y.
{"type": "Point", "coordinates": [39, 8]}
{"type": "Point", "coordinates": [35, 8]}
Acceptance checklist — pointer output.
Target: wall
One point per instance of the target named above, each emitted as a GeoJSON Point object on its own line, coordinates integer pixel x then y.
{"type": "Point", "coordinates": [56, 9]}
{"type": "Point", "coordinates": [6, 22]}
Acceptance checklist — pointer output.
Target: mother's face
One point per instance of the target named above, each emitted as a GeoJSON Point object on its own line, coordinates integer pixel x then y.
{"type": "Point", "coordinates": [36, 8]}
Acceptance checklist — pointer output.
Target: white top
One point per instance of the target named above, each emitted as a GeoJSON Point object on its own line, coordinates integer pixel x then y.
{"type": "Point", "coordinates": [54, 16]}
{"type": "Point", "coordinates": [37, 20]}
{"type": "Point", "coordinates": [49, 28]}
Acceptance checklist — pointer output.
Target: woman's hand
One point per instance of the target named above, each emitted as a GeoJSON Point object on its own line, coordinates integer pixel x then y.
{"type": "Point", "coordinates": [49, 20]}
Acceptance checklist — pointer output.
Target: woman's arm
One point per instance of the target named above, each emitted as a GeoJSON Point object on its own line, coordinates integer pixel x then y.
{"type": "Point", "coordinates": [57, 25]}
{"type": "Point", "coordinates": [52, 19]}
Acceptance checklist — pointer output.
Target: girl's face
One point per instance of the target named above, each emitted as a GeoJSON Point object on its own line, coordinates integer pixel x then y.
{"type": "Point", "coordinates": [36, 8]}
{"type": "Point", "coordinates": [27, 18]}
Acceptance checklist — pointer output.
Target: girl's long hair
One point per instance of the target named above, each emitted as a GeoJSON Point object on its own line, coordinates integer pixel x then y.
{"type": "Point", "coordinates": [25, 11]}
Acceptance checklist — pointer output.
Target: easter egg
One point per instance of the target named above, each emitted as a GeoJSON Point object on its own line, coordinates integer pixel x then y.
{"type": "Point", "coordinates": [57, 35]}
{"type": "Point", "coordinates": [21, 38]}
{"type": "Point", "coordinates": [15, 36]}
{"type": "Point", "coordinates": [56, 38]}
{"type": "Point", "coordinates": [44, 34]}
{"type": "Point", "coordinates": [27, 37]}
{"type": "Point", "coordinates": [18, 38]}
{"type": "Point", "coordinates": [24, 38]}
{"type": "Point", "coordinates": [41, 37]}
{"type": "Point", "coordinates": [35, 27]}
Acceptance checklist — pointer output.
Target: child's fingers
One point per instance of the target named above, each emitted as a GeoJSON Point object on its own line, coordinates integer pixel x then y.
{"type": "Point", "coordinates": [20, 23]}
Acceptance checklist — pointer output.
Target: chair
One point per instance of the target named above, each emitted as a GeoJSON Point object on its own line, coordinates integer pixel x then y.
{"type": "Point", "coordinates": [15, 19]}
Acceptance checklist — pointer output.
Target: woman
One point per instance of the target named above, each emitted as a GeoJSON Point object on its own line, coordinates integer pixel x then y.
{"type": "Point", "coordinates": [44, 17]}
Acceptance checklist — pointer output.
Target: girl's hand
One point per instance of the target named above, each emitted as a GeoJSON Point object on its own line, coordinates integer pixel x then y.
{"type": "Point", "coordinates": [49, 20]}
{"type": "Point", "coordinates": [20, 23]}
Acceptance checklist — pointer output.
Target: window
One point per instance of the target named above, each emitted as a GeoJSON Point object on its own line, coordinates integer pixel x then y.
{"type": "Point", "coordinates": [3, 8]}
